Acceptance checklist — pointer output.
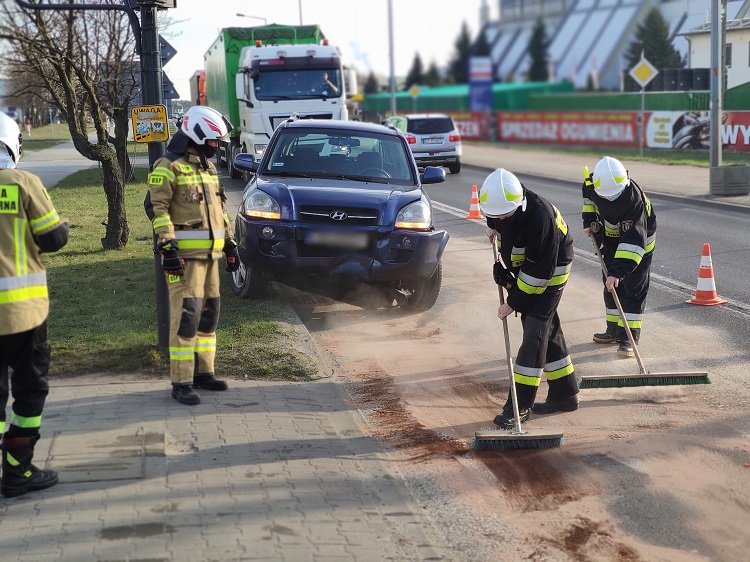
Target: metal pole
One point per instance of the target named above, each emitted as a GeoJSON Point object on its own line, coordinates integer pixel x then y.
{"type": "Point", "coordinates": [717, 73]}
{"type": "Point", "coordinates": [151, 94]}
{"type": "Point", "coordinates": [640, 122]}
{"type": "Point", "coordinates": [390, 46]}
{"type": "Point", "coordinates": [300, 12]}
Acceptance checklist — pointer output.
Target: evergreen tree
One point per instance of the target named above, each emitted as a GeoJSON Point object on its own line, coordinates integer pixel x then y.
{"type": "Point", "coordinates": [432, 77]}
{"type": "Point", "coordinates": [371, 84]}
{"type": "Point", "coordinates": [415, 77]}
{"type": "Point", "coordinates": [538, 69]}
{"type": "Point", "coordinates": [652, 39]}
{"type": "Point", "coordinates": [481, 47]}
{"type": "Point", "coordinates": [458, 68]}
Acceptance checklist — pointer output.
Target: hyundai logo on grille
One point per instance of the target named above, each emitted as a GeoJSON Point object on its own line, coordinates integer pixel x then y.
{"type": "Point", "coordinates": [338, 215]}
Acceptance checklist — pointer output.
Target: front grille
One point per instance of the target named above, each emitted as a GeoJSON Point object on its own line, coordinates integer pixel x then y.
{"type": "Point", "coordinates": [355, 216]}
{"type": "Point", "coordinates": [276, 120]}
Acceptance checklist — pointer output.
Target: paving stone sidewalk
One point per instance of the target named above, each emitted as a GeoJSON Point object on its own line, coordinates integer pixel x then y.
{"type": "Point", "coordinates": [263, 471]}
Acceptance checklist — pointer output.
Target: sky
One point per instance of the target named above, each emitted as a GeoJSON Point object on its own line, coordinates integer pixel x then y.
{"type": "Point", "coordinates": [358, 27]}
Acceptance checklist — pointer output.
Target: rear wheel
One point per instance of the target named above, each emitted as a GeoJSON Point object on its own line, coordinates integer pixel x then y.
{"type": "Point", "coordinates": [455, 168]}
{"type": "Point", "coordinates": [247, 283]}
{"type": "Point", "coordinates": [424, 294]}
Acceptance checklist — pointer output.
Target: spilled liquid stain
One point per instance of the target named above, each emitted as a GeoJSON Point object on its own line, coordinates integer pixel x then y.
{"type": "Point", "coordinates": [139, 531]}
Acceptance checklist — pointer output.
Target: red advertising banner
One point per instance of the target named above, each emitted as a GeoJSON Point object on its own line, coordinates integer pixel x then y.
{"type": "Point", "coordinates": [472, 125]}
{"type": "Point", "coordinates": [735, 132]}
{"type": "Point", "coordinates": [611, 128]}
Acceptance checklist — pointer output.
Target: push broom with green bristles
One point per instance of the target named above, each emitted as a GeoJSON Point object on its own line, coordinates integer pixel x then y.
{"type": "Point", "coordinates": [644, 377]}
{"type": "Point", "coordinates": [517, 438]}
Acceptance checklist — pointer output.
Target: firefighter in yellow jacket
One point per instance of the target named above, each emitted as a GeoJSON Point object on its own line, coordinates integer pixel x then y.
{"type": "Point", "coordinates": [29, 225]}
{"type": "Point", "coordinates": [185, 203]}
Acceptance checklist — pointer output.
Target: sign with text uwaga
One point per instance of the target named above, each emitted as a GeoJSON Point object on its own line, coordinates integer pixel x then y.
{"type": "Point", "coordinates": [150, 123]}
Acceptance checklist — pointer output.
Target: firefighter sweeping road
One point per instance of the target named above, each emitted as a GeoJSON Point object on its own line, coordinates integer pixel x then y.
{"type": "Point", "coordinates": [374, 461]}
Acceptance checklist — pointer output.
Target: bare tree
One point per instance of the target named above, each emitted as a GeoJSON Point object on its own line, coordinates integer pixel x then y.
{"type": "Point", "coordinates": [84, 61]}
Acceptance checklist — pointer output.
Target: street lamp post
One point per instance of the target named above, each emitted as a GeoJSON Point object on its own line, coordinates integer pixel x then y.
{"type": "Point", "coordinates": [265, 21]}
{"type": "Point", "coordinates": [392, 81]}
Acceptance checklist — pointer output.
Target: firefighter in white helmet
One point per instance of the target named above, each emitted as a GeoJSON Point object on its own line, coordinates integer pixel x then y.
{"type": "Point", "coordinates": [536, 252]}
{"type": "Point", "coordinates": [29, 226]}
{"type": "Point", "coordinates": [185, 203]}
{"type": "Point", "coordinates": [624, 226]}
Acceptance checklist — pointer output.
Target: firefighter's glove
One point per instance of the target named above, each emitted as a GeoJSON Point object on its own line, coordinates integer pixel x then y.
{"type": "Point", "coordinates": [233, 256]}
{"type": "Point", "coordinates": [502, 276]}
{"type": "Point", "coordinates": [171, 261]}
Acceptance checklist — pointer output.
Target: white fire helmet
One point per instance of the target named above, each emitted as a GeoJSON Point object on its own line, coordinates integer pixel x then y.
{"type": "Point", "coordinates": [501, 194]}
{"type": "Point", "coordinates": [10, 136]}
{"type": "Point", "coordinates": [201, 123]}
{"type": "Point", "coordinates": [610, 178]}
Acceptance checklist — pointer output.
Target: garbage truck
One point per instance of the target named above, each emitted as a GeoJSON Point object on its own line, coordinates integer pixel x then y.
{"type": "Point", "coordinates": [259, 76]}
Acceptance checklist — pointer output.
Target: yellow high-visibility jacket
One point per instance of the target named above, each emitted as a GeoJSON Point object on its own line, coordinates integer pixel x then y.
{"type": "Point", "coordinates": [29, 224]}
{"type": "Point", "coordinates": [185, 202]}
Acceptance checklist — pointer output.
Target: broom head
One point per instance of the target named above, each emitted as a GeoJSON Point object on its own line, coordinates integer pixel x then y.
{"type": "Point", "coordinates": [644, 379]}
{"type": "Point", "coordinates": [499, 440]}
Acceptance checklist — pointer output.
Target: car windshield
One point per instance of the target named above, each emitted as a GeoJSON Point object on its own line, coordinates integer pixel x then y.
{"type": "Point", "coordinates": [298, 84]}
{"type": "Point", "coordinates": [430, 125]}
{"type": "Point", "coordinates": [339, 153]}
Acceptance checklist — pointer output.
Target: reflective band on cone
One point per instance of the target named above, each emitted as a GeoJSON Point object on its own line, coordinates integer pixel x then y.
{"type": "Point", "coordinates": [474, 212]}
{"type": "Point", "coordinates": [705, 293]}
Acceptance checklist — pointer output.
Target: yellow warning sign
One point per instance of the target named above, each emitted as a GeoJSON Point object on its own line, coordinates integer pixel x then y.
{"type": "Point", "coordinates": [150, 123]}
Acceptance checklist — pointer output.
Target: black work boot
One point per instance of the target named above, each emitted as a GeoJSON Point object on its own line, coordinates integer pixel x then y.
{"type": "Point", "coordinates": [207, 381]}
{"type": "Point", "coordinates": [19, 475]}
{"type": "Point", "coordinates": [552, 406]}
{"type": "Point", "coordinates": [507, 420]}
{"type": "Point", "coordinates": [625, 349]}
{"type": "Point", "coordinates": [185, 394]}
{"type": "Point", "coordinates": [604, 337]}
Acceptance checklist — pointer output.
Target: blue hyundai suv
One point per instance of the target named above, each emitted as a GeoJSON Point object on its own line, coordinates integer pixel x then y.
{"type": "Point", "coordinates": [337, 206]}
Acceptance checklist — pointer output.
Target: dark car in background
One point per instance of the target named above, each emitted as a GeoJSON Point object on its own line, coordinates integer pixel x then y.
{"type": "Point", "coordinates": [337, 208]}
{"type": "Point", "coordinates": [433, 139]}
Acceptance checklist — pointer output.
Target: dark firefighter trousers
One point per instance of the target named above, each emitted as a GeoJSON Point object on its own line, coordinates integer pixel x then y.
{"type": "Point", "coordinates": [28, 355]}
{"type": "Point", "coordinates": [543, 350]}
{"type": "Point", "coordinates": [194, 314]}
{"type": "Point", "coordinates": [632, 292]}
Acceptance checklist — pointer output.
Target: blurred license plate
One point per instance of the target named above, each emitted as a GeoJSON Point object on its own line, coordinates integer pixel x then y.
{"type": "Point", "coordinates": [351, 240]}
{"type": "Point", "coordinates": [437, 140]}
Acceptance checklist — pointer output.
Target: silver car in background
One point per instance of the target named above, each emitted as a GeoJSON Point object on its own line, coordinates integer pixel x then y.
{"type": "Point", "coordinates": [433, 139]}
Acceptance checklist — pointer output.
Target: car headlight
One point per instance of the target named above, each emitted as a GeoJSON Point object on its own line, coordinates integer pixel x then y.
{"type": "Point", "coordinates": [415, 216]}
{"type": "Point", "coordinates": [260, 148]}
{"type": "Point", "coordinates": [259, 205]}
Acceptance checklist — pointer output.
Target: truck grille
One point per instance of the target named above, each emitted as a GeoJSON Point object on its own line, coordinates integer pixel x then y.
{"type": "Point", "coordinates": [276, 120]}
{"type": "Point", "coordinates": [346, 216]}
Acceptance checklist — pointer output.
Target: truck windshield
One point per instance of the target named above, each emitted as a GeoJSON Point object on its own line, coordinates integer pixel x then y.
{"type": "Point", "coordinates": [298, 84]}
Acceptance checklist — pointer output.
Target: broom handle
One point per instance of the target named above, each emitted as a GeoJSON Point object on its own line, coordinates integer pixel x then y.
{"type": "Point", "coordinates": [513, 393]}
{"type": "Point", "coordinates": [619, 309]}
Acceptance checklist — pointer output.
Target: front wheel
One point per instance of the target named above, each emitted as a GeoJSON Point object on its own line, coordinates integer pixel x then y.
{"type": "Point", "coordinates": [232, 151]}
{"type": "Point", "coordinates": [422, 295]}
{"type": "Point", "coordinates": [247, 283]}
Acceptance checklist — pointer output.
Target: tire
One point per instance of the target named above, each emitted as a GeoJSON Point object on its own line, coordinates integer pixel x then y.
{"type": "Point", "coordinates": [455, 168]}
{"type": "Point", "coordinates": [424, 293]}
{"type": "Point", "coordinates": [233, 172]}
{"type": "Point", "coordinates": [247, 283]}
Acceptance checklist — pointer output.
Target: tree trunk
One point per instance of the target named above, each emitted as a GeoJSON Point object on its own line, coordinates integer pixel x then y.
{"type": "Point", "coordinates": [120, 142]}
{"type": "Point", "coordinates": [116, 236]}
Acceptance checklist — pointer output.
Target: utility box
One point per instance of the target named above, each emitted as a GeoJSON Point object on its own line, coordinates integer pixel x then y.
{"type": "Point", "coordinates": [730, 180]}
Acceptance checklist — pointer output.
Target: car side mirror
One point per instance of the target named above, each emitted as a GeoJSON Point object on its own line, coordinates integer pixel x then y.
{"type": "Point", "coordinates": [248, 163]}
{"type": "Point", "coordinates": [432, 174]}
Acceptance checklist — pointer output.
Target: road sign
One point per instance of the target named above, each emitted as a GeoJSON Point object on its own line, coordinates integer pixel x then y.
{"type": "Point", "coordinates": [150, 123]}
{"type": "Point", "coordinates": [643, 72]}
{"type": "Point", "coordinates": [166, 50]}
{"type": "Point", "coordinates": [168, 89]}
{"type": "Point", "coordinates": [414, 91]}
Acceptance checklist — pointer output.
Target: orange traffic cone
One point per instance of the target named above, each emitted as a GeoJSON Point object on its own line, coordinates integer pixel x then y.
{"type": "Point", "coordinates": [705, 294]}
{"type": "Point", "coordinates": [474, 212]}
